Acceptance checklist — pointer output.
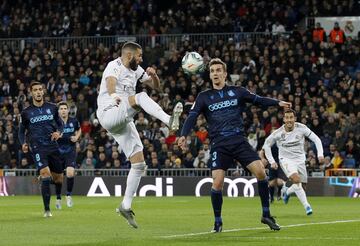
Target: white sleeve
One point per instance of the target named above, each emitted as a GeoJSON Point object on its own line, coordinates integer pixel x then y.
{"type": "Point", "coordinates": [111, 71]}
{"type": "Point", "coordinates": [270, 140]}
{"type": "Point", "coordinates": [313, 137]}
{"type": "Point", "coordinates": [141, 75]}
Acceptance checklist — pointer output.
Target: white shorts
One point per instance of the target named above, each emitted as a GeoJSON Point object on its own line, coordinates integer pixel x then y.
{"type": "Point", "coordinates": [118, 121]}
{"type": "Point", "coordinates": [289, 168]}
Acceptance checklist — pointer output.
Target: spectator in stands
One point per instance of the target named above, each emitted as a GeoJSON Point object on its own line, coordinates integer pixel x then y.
{"type": "Point", "coordinates": [319, 34]}
{"type": "Point", "coordinates": [337, 35]}
{"type": "Point", "coordinates": [337, 160]}
{"type": "Point", "coordinates": [5, 156]}
{"type": "Point", "coordinates": [339, 141]}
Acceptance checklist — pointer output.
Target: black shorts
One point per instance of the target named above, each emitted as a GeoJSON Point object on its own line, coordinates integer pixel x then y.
{"type": "Point", "coordinates": [69, 159]}
{"type": "Point", "coordinates": [222, 157]}
{"type": "Point", "coordinates": [49, 158]}
{"type": "Point", "coordinates": [277, 174]}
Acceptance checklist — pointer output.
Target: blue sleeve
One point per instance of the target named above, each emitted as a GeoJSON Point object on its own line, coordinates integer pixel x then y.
{"type": "Point", "coordinates": [190, 121]}
{"type": "Point", "coordinates": [58, 121]}
{"type": "Point", "coordinates": [250, 97]}
{"type": "Point", "coordinates": [21, 133]}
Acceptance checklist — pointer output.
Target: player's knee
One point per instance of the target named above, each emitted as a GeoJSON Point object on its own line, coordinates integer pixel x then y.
{"type": "Point", "coordinates": [138, 97]}
{"type": "Point", "coordinates": [295, 178]}
{"type": "Point", "coordinates": [139, 166]}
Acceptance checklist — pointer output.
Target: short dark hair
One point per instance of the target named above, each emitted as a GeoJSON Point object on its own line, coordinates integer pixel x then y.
{"type": "Point", "coordinates": [63, 103]}
{"type": "Point", "coordinates": [33, 83]}
{"type": "Point", "coordinates": [215, 61]}
{"type": "Point", "coordinates": [131, 46]}
{"type": "Point", "coordinates": [289, 111]}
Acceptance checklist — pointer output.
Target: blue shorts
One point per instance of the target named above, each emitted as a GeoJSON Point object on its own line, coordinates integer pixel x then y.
{"type": "Point", "coordinates": [222, 157]}
{"type": "Point", "coordinates": [69, 159]}
{"type": "Point", "coordinates": [277, 174]}
{"type": "Point", "coordinates": [49, 158]}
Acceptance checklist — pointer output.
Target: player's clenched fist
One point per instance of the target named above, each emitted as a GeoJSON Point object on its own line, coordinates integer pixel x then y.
{"type": "Point", "coordinates": [286, 105]}
{"type": "Point", "coordinates": [182, 142]}
{"type": "Point", "coordinates": [55, 136]}
{"type": "Point", "coordinates": [151, 71]}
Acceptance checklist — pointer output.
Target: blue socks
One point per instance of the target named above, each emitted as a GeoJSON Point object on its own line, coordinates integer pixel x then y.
{"type": "Point", "coordinates": [264, 196]}
{"type": "Point", "coordinates": [58, 190]}
{"type": "Point", "coordinates": [45, 192]}
{"type": "Point", "coordinates": [70, 185]}
{"type": "Point", "coordinates": [217, 200]}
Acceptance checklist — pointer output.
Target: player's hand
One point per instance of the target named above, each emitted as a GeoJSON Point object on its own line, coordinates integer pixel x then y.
{"type": "Point", "coordinates": [73, 139]}
{"type": "Point", "coordinates": [321, 159]}
{"type": "Point", "coordinates": [116, 98]}
{"type": "Point", "coordinates": [151, 71]}
{"type": "Point", "coordinates": [25, 148]}
{"type": "Point", "coordinates": [264, 161]}
{"type": "Point", "coordinates": [55, 136]}
{"type": "Point", "coordinates": [182, 143]}
{"type": "Point", "coordinates": [274, 166]}
{"type": "Point", "coordinates": [285, 105]}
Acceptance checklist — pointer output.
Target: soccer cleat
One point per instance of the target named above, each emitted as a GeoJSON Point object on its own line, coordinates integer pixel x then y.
{"type": "Point", "coordinates": [69, 201]}
{"type": "Point", "coordinates": [58, 204]}
{"type": "Point", "coordinates": [174, 122]}
{"type": "Point", "coordinates": [128, 214]}
{"type": "Point", "coordinates": [308, 210]}
{"type": "Point", "coordinates": [47, 214]}
{"type": "Point", "coordinates": [270, 221]}
{"type": "Point", "coordinates": [284, 195]}
{"type": "Point", "coordinates": [217, 227]}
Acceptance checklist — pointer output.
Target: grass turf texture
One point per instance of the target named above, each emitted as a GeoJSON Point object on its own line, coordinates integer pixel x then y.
{"type": "Point", "coordinates": [170, 221]}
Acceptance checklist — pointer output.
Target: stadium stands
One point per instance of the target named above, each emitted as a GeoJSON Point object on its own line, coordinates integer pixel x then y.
{"type": "Point", "coordinates": [320, 79]}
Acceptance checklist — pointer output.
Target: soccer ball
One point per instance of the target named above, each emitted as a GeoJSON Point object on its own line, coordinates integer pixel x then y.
{"type": "Point", "coordinates": [192, 63]}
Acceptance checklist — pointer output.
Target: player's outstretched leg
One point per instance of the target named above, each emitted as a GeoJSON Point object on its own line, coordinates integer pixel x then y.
{"type": "Point", "coordinates": [46, 194]}
{"type": "Point", "coordinates": [132, 183]}
{"type": "Point", "coordinates": [257, 169]}
{"type": "Point", "coordinates": [300, 193]}
{"type": "Point", "coordinates": [217, 200]}
{"type": "Point", "coordinates": [69, 185]}
{"type": "Point", "coordinates": [58, 187]}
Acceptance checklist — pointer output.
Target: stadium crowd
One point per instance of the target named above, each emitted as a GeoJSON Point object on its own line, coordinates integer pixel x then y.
{"type": "Point", "coordinates": [42, 18]}
{"type": "Point", "coordinates": [321, 79]}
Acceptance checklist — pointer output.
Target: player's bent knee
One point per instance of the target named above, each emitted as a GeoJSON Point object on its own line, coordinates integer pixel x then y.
{"type": "Point", "coordinates": [295, 178]}
{"type": "Point", "coordinates": [139, 166]}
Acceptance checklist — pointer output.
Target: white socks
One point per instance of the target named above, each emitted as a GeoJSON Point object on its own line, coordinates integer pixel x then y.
{"type": "Point", "coordinates": [300, 193]}
{"type": "Point", "coordinates": [151, 107]}
{"type": "Point", "coordinates": [132, 183]}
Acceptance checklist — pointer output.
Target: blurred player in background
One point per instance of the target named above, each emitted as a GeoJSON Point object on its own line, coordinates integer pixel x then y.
{"type": "Point", "coordinates": [40, 128]}
{"type": "Point", "coordinates": [290, 139]}
{"type": "Point", "coordinates": [67, 145]}
{"type": "Point", "coordinates": [118, 103]}
{"type": "Point", "coordinates": [223, 107]}
{"type": "Point", "coordinates": [276, 174]}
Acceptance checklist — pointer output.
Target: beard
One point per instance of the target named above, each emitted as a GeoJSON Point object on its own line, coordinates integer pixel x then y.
{"type": "Point", "coordinates": [133, 65]}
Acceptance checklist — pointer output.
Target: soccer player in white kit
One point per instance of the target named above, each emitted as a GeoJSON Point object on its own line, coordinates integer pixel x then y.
{"type": "Point", "coordinates": [290, 140]}
{"type": "Point", "coordinates": [118, 103]}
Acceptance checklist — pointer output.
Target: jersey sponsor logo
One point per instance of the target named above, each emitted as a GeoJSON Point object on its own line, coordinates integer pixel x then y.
{"type": "Point", "coordinates": [223, 104]}
{"type": "Point", "coordinates": [232, 190]}
{"type": "Point", "coordinates": [68, 130]}
{"type": "Point", "coordinates": [41, 118]}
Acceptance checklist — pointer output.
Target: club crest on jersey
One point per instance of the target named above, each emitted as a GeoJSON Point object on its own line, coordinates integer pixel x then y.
{"type": "Point", "coordinates": [231, 93]}
{"type": "Point", "coordinates": [48, 111]}
{"type": "Point", "coordinates": [71, 125]}
{"type": "Point", "coordinates": [283, 136]}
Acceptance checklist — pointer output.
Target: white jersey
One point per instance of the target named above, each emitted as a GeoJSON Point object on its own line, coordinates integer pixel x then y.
{"type": "Point", "coordinates": [291, 144]}
{"type": "Point", "coordinates": [126, 81]}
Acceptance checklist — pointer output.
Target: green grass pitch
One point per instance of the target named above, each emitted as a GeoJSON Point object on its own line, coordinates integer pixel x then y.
{"type": "Point", "coordinates": [178, 221]}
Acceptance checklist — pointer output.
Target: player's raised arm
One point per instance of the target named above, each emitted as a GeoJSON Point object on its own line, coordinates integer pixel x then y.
{"type": "Point", "coordinates": [190, 121]}
{"type": "Point", "coordinates": [269, 142]}
{"type": "Point", "coordinates": [152, 78]}
{"type": "Point", "coordinates": [259, 100]}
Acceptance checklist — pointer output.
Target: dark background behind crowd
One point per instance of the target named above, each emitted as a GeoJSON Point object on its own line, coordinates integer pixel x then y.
{"type": "Point", "coordinates": [318, 74]}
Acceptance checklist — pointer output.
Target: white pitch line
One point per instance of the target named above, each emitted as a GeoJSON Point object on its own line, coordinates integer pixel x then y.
{"type": "Point", "coordinates": [263, 227]}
